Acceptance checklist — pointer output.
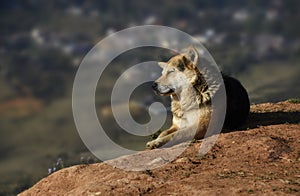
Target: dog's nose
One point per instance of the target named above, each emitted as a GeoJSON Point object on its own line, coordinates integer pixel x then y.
{"type": "Point", "coordinates": [154, 85]}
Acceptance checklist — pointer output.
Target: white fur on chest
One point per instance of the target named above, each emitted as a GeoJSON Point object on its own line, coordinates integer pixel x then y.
{"type": "Point", "coordinates": [190, 118]}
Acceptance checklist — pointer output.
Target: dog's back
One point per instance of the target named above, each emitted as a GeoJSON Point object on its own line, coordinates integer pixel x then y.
{"type": "Point", "coordinates": [238, 105]}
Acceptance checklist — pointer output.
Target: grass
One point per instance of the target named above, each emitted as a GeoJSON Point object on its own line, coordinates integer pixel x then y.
{"type": "Point", "coordinates": [294, 100]}
{"type": "Point", "coordinates": [271, 81]}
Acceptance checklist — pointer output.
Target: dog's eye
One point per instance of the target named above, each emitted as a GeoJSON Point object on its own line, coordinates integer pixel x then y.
{"type": "Point", "coordinates": [170, 71]}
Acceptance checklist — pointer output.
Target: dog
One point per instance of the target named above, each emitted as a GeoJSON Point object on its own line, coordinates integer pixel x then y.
{"type": "Point", "coordinates": [191, 99]}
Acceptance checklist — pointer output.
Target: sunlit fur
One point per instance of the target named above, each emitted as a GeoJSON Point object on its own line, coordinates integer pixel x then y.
{"type": "Point", "coordinates": [191, 99]}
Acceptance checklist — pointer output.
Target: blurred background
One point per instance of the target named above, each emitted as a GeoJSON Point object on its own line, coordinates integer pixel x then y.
{"type": "Point", "coordinates": [43, 42]}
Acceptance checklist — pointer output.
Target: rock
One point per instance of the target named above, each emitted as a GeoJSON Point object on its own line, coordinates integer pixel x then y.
{"type": "Point", "coordinates": [261, 160]}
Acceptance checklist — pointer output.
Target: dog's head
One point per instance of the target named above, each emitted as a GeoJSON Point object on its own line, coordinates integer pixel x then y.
{"type": "Point", "coordinates": [179, 72]}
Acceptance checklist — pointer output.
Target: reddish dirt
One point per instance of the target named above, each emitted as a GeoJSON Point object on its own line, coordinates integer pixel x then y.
{"type": "Point", "coordinates": [261, 159]}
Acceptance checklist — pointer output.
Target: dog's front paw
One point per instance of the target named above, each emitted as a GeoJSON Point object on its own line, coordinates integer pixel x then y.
{"type": "Point", "coordinates": [153, 144]}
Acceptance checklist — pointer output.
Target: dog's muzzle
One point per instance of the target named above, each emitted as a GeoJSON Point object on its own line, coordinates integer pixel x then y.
{"type": "Point", "coordinates": [162, 89]}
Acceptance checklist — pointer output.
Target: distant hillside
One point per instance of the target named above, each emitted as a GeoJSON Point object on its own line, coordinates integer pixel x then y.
{"type": "Point", "coordinates": [271, 81]}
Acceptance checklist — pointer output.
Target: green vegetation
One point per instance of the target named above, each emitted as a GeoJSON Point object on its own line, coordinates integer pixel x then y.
{"type": "Point", "coordinates": [271, 81]}
{"type": "Point", "coordinates": [294, 100]}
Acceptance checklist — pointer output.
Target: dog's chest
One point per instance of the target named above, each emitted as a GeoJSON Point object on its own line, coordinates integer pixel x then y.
{"type": "Point", "coordinates": [188, 119]}
{"type": "Point", "coordinates": [188, 116]}
{"type": "Point", "coordinates": [176, 109]}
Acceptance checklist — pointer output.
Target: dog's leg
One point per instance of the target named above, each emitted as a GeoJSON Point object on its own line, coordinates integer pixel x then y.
{"type": "Point", "coordinates": [163, 137]}
{"type": "Point", "coordinates": [172, 129]}
{"type": "Point", "coordinates": [174, 136]}
{"type": "Point", "coordinates": [160, 141]}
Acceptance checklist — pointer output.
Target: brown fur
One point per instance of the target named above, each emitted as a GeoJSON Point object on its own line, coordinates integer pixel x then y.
{"type": "Point", "coordinates": [191, 99]}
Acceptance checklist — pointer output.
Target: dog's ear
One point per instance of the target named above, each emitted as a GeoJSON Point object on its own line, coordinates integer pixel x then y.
{"type": "Point", "coordinates": [162, 64]}
{"type": "Point", "coordinates": [192, 55]}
